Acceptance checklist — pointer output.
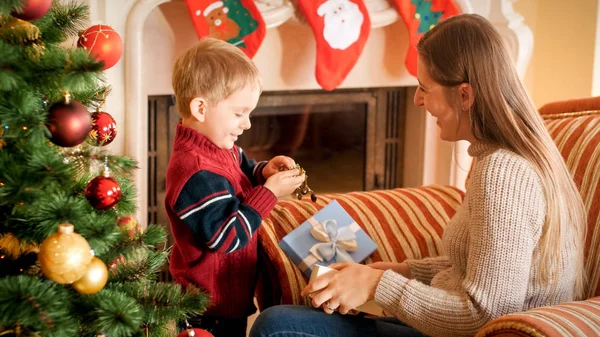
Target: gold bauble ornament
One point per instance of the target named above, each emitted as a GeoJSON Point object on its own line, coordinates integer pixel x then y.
{"type": "Point", "coordinates": [64, 256]}
{"type": "Point", "coordinates": [303, 189]}
{"type": "Point", "coordinates": [94, 280]}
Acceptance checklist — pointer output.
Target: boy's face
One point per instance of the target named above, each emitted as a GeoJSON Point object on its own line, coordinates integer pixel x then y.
{"type": "Point", "coordinates": [227, 120]}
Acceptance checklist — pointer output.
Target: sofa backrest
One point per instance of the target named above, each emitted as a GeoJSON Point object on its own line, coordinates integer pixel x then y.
{"type": "Point", "coordinates": [404, 223]}
{"type": "Point", "coordinates": [393, 218]}
{"type": "Point", "coordinates": [577, 136]}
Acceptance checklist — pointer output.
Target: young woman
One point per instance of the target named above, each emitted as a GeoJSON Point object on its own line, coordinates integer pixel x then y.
{"type": "Point", "coordinates": [516, 242]}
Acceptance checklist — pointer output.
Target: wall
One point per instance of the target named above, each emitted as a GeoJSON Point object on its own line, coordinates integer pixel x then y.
{"type": "Point", "coordinates": [565, 43]}
{"type": "Point", "coordinates": [159, 41]}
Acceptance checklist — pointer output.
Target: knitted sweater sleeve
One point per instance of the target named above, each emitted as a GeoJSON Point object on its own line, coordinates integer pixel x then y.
{"type": "Point", "coordinates": [424, 270]}
{"type": "Point", "coordinates": [252, 169]}
{"type": "Point", "coordinates": [208, 205]}
{"type": "Point", "coordinates": [506, 210]}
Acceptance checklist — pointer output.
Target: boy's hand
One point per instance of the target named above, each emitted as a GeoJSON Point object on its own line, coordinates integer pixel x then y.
{"type": "Point", "coordinates": [274, 165]}
{"type": "Point", "coordinates": [284, 183]}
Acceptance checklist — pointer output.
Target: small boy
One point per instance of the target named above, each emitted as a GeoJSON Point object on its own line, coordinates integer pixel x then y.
{"type": "Point", "coordinates": [216, 197]}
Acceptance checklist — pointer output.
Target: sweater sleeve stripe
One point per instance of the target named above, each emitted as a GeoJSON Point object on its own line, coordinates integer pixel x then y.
{"type": "Point", "coordinates": [214, 199]}
{"type": "Point", "coordinates": [246, 222]}
{"type": "Point", "coordinates": [219, 234]}
{"type": "Point", "coordinates": [201, 201]}
{"type": "Point", "coordinates": [237, 243]}
{"type": "Point", "coordinates": [251, 168]}
{"type": "Point", "coordinates": [258, 167]}
{"type": "Point", "coordinates": [219, 220]}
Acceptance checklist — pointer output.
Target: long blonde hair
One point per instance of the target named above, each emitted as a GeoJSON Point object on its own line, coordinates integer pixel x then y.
{"type": "Point", "coordinates": [468, 49]}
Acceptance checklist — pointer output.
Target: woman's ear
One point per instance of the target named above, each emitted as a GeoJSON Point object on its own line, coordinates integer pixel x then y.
{"type": "Point", "coordinates": [465, 91]}
{"type": "Point", "coordinates": [198, 108]}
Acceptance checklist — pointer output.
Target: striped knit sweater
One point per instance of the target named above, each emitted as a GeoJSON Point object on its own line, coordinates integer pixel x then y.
{"type": "Point", "coordinates": [215, 201]}
{"type": "Point", "coordinates": [492, 251]}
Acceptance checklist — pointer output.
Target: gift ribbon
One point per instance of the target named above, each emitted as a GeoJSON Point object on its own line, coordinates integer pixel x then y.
{"type": "Point", "coordinates": [334, 242]}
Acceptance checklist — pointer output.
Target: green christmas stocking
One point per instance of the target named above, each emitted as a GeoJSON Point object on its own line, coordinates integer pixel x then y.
{"type": "Point", "coordinates": [236, 21]}
{"type": "Point", "coordinates": [420, 16]}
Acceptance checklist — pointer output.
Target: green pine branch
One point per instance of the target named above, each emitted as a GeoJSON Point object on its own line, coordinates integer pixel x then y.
{"type": "Point", "coordinates": [63, 21]}
{"type": "Point", "coordinates": [7, 6]}
{"type": "Point", "coordinates": [111, 312]}
{"type": "Point", "coordinates": [36, 306]}
{"type": "Point", "coordinates": [135, 264]}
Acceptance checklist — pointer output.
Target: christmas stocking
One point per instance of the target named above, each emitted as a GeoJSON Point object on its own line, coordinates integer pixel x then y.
{"type": "Point", "coordinates": [341, 28]}
{"type": "Point", "coordinates": [236, 21]}
{"type": "Point", "coordinates": [420, 16]}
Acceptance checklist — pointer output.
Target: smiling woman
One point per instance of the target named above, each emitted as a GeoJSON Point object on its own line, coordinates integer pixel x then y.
{"type": "Point", "coordinates": [515, 243]}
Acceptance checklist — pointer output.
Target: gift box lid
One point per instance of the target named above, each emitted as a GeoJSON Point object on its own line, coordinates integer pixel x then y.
{"type": "Point", "coordinates": [329, 236]}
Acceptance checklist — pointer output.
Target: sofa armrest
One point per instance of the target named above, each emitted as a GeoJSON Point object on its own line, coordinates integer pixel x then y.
{"type": "Point", "coordinates": [404, 223]}
{"type": "Point", "coordinates": [580, 318]}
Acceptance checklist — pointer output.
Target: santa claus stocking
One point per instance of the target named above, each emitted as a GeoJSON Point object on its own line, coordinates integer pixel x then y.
{"type": "Point", "coordinates": [420, 16]}
{"type": "Point", "coordinates": [236, 21]}
{"type": "Point", "coordinates": [341, 28]}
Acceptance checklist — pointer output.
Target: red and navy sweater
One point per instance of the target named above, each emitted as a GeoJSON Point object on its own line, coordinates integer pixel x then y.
{"type": "Point", "coordinates": [215, 202]}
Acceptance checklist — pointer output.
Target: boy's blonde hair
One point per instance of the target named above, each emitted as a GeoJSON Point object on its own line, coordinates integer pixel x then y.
{"type": "Point", "coordinates": [212, 69]}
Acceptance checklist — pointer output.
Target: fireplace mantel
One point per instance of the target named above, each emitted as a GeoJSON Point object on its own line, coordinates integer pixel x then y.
{"type": "Point", "coordinates": [427, 159]}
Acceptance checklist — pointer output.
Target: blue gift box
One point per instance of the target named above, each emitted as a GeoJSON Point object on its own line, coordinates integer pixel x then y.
{"type": "Point", "coordinates": [329, 236]}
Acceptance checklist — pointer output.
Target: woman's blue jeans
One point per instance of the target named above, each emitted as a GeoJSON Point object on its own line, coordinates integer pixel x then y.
{"type": "Point", "coordinates": [296, 321]}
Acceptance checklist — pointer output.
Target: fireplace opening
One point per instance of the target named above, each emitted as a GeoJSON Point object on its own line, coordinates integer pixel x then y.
{"type": "Point", "coordinates": [327, 140]}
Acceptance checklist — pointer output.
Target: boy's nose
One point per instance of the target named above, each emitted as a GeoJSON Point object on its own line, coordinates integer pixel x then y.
{"type": "Point", "coordinates": [246, 124]}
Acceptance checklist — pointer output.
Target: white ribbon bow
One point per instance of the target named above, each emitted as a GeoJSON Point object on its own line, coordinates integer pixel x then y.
{"type": "Point", "coordinates": [336, 242]}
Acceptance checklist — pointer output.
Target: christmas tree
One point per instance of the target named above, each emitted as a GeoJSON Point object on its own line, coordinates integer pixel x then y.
{"type": "Point", "coordinates": [73, 261]}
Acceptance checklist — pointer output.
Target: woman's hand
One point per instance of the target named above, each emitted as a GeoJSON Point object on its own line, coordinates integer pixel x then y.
{"type": "Point", "coordinates": [274, 165]}
{"type": "Point", "coordinates": [400, 268]}
{"type": "Point", "coordinates": [351, 286]}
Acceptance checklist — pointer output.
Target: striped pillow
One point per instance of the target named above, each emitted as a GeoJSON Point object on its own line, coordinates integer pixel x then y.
{"type": "Point", "coordinates": [577, 136]}
{"type": "Point", "coordinates": [574, 319]}
{"type": "Point", "coordinates": [404, 223]}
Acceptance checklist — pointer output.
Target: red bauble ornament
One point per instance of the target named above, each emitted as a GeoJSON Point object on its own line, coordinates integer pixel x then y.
{"type": "Point", "coordinates": [103, 192]}
{"type": "Point", "coordinates": [104, 129]}
{"type": "Point", "coordinates": [195, 332]}
{"type": "Point", "coordinates": [33, 9]}
{"type": "Point", "coordinates": [103, 43]}
{"type": "Point", "coordinates": [69, 123]}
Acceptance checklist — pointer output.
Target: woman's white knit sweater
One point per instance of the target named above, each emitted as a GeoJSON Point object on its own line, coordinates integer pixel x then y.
{"type": "Point", "coordinates": [490, 268]}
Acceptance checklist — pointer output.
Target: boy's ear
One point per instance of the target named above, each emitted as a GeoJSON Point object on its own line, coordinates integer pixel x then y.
{"type": "Point", "coordinates": [198, 108]}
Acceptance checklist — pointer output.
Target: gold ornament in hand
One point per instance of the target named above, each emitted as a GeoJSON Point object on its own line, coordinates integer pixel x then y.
{"type": "Point", "coordinates": [303, 189]}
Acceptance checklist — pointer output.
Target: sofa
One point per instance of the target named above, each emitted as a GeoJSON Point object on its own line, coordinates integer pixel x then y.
{"type": "Point", "coordinates": [409, 222]}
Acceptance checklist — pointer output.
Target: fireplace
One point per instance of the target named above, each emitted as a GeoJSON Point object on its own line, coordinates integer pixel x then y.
{"type": "Point", "coordinates": [286, 59]}
{"type": "Point", "coordinates": [347, 140]}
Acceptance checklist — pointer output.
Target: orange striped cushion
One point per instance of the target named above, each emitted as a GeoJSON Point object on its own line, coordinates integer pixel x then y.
{"type": "Point", "coordinates": [577, 136]}
{"type": "Point", "coordinates": [404, 223]}
{"type": "Point", "coordinates": [574, 319]}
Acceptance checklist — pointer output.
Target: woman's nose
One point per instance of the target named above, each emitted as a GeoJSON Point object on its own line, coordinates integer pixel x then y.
{"type": "Point", "coordinates": [418, 98]}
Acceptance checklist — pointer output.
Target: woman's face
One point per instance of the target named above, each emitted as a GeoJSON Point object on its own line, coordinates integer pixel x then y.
{"type": "Point", "coordinates": [435, 98]}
